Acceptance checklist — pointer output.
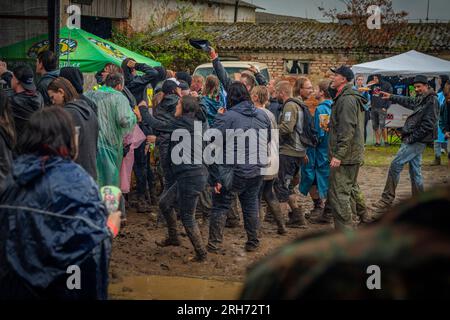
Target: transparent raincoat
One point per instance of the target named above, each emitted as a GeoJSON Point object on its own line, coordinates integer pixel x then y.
{"type": "Point", "coordinates": [116, 119]}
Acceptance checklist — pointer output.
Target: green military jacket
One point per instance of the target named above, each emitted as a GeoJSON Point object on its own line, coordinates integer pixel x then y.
{"type": "Point", "coordinates": [346, 140]}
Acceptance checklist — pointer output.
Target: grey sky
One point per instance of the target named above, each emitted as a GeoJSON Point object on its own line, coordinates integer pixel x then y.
{"type": "Point", "coordinates": [417, 9]}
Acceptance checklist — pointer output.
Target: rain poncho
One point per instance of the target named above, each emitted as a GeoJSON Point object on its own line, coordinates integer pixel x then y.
{"type": "Point", "coordinates": [318, 168]}
{"type": "Point", "coordinates": [441, 134]}
{"type": "Point", "coordinates": [133, 140]}
{"type": "Point", "coordinates": [52, 217]}
{"type": "Point", "coordinates": [116, 119]}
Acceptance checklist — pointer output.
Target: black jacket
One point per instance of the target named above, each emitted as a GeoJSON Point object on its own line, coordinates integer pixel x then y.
{"type": "Point", "coordinates": [243, 116]}
{"type": "Point", "coordinates": [6, 147]}
{"type": "Point", "coordinates": [84, 117]}
{"type": "Point", "coordinates": [43, 83]}
{"type": "Point", "coordinates": [186, 168]}
{"type": "Point", "coordinates": [421, 125]}
{"type": "Point", "coordinates": [137, 84]}
{"type": "Point", "coordinates": [23, 105]}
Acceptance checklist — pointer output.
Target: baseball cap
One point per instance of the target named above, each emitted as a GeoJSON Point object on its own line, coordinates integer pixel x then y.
{"type": "Point", "coordinates": [344, 71]}
{"type": "Point", "coordinates": [200, 44]}
{"type": "Point", "coordinates": [25, 76]}
{"type": "Point", "coordinates": [421, 79]}
{"type": "Point", "coordinates": [170, 85]}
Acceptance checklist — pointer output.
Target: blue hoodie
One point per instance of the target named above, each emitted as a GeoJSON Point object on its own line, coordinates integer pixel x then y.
{"type": "Point", "coordinates": [51, 217]}
{"type": "Point", "coordinates": [243, 116]}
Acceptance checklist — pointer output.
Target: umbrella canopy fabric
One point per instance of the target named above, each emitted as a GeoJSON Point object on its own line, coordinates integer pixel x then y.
{"type": "Point", "coordinates": [406, 64]}
{"type": "Point", "coordinates": [78, 48]}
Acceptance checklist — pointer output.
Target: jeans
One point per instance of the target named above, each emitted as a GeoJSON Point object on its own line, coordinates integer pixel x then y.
{"type": "Point", "coordinates": [142, 170]}
{"type": "Point", "coordinates": [289, 167]}
{"type": "Point", "coordinates": [248, 193]}
{"type": "Point", "coordinates": [438, 147]}
{"type": "Point", "coordinates": [408, 153]}
{"type": "Point", "coordinates": [184, 193]}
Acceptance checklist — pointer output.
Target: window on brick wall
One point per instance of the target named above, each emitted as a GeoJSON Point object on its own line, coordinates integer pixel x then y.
{"type": "Point", "coordinates": [296, 67]}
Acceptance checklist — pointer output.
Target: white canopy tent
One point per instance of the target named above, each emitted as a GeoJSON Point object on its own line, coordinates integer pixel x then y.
{"type": "Point", "coordinates": [410, 63]}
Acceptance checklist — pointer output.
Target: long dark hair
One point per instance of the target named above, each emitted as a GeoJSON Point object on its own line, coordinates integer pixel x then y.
{"type": "Point", "coordinates": [237, 93]}
{"type": "Point", "coordinates": [6, 118]}
{"type": "Point", "coordinates": [49, 132]}
{"type": "Point", "coordinates": [70, 93]}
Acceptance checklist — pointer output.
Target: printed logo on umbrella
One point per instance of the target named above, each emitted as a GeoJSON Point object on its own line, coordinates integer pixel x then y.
{"type": "Point", "coordinates": [66, 46]}
{"type": "Point", "coordinates": [109, 49]}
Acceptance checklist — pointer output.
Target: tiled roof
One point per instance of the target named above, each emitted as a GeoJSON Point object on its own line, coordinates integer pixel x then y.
{"type": "Point", "coordinates": [262, 17]}
{"type": "Point", "coordinates": [313, 35]}
{"type": "Point", "coordinates": [232, 3]}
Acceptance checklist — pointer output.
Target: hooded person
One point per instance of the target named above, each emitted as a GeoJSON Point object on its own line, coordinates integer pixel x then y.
{"type": "Point", "coordinates": [76, 78]}
{"type": "Point", "coordinates": [63, 94]}
{"type": "Point", "coordinates": [59, 218]}
{"type": "Point", "coordinates": [138, 84]}
{"type": "Point", "coordinates": [166, 112]}
{"type": "Point", "coordinates": [190, 177]}
{"type": "Point", "coordinates": [244, 179]}
{"type": "Point", "coordinates": [116, 119]}
{"type": "Point", "coordinates": [25, 100]}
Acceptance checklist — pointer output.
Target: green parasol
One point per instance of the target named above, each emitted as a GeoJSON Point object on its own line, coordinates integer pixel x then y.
{"type": "Point", "coordinates": [78, 48]}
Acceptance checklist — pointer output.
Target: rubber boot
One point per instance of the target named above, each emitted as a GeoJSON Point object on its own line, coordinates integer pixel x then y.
{"type": "Point", "coordinates": [196, 239]}
{"type": "Point", "coordinates": [142, 206]}
{"type": "Point", "coordinates": [317, 210]}
{"type": "Point", "coordinates": [172, 239]}
{"type": "Point", "coordinates": [436, 162]}
{"type": "Point", "coordinates": [275, 209]}
{"type": "Point", "coordinates": [152, 198]}
{"type": "Point", "coordinates": [297, 219]}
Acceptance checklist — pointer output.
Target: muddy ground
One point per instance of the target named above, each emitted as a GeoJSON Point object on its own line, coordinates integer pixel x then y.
{"type": "Point", "coordinates": [136, 254]}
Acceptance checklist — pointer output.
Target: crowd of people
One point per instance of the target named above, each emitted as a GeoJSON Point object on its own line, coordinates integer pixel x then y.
{"type": "Point", "coordinates": [60, 144]}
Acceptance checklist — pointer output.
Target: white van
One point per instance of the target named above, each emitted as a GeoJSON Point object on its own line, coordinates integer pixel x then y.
{"type": "Point", "coordinates": [232, 67]}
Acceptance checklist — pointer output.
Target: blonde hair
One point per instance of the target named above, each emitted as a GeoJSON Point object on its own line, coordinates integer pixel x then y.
{"type": "Point", "coordinates": [285, 87]}
{"type": "Point", "coordinates": [261, 93]}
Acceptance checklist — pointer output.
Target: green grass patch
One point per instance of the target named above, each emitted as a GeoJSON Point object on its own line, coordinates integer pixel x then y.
{"type": "Point", "coordinates": [382, 156]}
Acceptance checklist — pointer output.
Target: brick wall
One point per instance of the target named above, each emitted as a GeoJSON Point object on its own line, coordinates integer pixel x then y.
{"type": "Point", "coordinates": [320, 63]}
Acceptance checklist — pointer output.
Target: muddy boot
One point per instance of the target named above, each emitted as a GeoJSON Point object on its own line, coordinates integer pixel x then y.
{"type": "Point", "coordinates": [196, 240]}
{"type": "Point", "coordinates": [436, 162]}
{"type": "Point", "coordinates": [324, 218]}
{"type": "Point", "coordinates": [365, 217]}
{"type": "Point", "coordinates": [297, 219]}
{"type": "Point", "coordinates": [275, 209]}
{"type": "Point", "coordinates": [152, 198]}
{"type": "Point", "coordinates": [172, 239]}
{"type": "Point", "coordinates": [142, 206]}
{"type": "Point", "coordinates": [319, 205]}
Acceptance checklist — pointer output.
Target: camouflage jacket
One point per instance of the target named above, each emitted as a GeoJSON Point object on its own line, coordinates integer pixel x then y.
{"type": "Point", "coordinates": [410, 245]}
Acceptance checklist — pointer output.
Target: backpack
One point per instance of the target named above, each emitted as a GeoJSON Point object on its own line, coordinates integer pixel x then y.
{"type": "Point", "coordinates": [309, 135]}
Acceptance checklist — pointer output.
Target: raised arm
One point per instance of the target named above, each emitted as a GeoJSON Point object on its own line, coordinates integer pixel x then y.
{"type": "Point", "coordinates": [221, 73]}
